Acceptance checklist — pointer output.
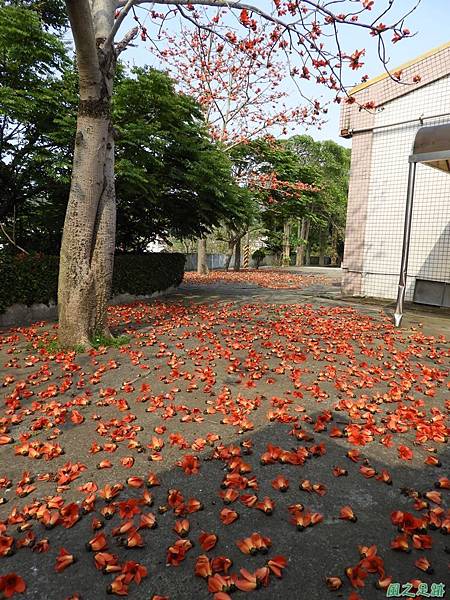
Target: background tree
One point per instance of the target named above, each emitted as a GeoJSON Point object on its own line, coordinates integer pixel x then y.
{"type": "Point", "coordinates": [171, 180]}
{"type": "Point", "coordinates": [283, 186]}
{"type": "Point", "coordinates": [31, 62]}
{"type": "Point", "coordinates": [236, 226]}
{"type": "Point", "coordinates": [238, 83]}
{"type": "Point", "coordinates": [324, 225]}
{"type": "Point", "coordinates": [88, 243]}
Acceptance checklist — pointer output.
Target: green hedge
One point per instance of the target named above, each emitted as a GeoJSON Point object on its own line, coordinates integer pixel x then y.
{"type": "Point", "coordinates": [147, 273]}
{"type": "Point", "coordinates": [34, 279]}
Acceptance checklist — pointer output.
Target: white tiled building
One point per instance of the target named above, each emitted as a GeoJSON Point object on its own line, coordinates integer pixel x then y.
{"type": "Point", "coordinates": [381, 143]}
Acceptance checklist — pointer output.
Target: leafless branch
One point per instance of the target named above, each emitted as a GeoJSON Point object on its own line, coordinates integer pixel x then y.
{"type": "Point", "coordinates": [127, 39]}
{"type": "Point", "coordinates": [10, 240]}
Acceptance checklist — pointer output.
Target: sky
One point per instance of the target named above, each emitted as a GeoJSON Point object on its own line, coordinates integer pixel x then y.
{"type": "Point", "coordinates": [429, 22]}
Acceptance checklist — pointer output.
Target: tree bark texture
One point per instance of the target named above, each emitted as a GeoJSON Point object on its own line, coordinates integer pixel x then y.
{"type": "Point", "coordinates": [229, 254]}
{"type": "Point", "coordinates": [334, 246]}
{"type": "Point", "coordinates": [88, 242]}
{"type": "Point", "coordinates": [237, 254]}
{"type": "Point", "coordinates": [322, 247]}
{"type": "Point", "coordinates": [202, 265]}
{"type": "Point", "coordinates": [286, 260]}
{"type": "Point", "coordinates": [303, 236]}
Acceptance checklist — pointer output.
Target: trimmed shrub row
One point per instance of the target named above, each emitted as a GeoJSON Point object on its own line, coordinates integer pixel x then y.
{"type": "Point", "coordinates": [145, 274]}
{"type": "Point", "coordinates": [34, 279]}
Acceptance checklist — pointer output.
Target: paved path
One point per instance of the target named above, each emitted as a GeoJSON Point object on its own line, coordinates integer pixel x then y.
{"type": "Point", "coordinates": [434, 321]}
{"type": "Point", "coordinates": [291, 374]}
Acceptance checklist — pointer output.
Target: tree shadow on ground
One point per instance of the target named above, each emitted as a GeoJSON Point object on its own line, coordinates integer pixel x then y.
{"type": "Point", "coordinates": [320, 551]}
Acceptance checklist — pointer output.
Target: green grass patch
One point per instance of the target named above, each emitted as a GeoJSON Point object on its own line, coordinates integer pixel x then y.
{"type": "Point", "coordinates": [53, 347]}
{"type": "Point", "coordinates": [110, 342]}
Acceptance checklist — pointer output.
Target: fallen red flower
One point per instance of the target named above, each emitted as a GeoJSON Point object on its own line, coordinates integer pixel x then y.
{"type": "Point", "coordinates": [63, 560]}
{"type": "Point", "coordinates": [356, 575]}
{"type": "Point", "coordinates": [424, 565]}
{"type": "Point", "coordinates": [333, 583]}
{"type": "Point", "coordinates": [203, 567]}
{"type": "Point", "coordinates": [280, 483]}
{"type": "Point", "coordinates": [11, 584]}
{"type": "Point", "coordinates": [177, 553]}
{"type": "Point", "coordinates": [228, 516]}
{"type": "Point", "coordinates": [181, 527]}
{"type": "Point", "coordinates": [207, 540]}
{"type": "Point", "coordinates": [405, 453]}
{"type": "Point", "coordinates": [190, 464]}
{"type": "Point", "coordinates": [347, 514]}
{"type": "Point", "coordinates": [277, 564]}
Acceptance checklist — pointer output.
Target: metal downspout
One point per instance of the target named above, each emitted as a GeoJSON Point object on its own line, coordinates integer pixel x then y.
{"type": "Point", "coordinates": [405, 249]}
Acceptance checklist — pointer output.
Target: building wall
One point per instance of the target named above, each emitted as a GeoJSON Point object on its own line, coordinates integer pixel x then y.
{"type": "Point", "coordinates": [429, 256]}
{"type": "Point", "coordinates": [378, 180]}
{"type": "Point", "coordinates": [429, 67]}
{"type": "Point", "coordinates": [358, 197]}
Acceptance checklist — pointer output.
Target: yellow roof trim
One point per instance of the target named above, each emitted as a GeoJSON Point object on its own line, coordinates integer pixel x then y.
{"type": "Point", "coordinates": [405, 65]}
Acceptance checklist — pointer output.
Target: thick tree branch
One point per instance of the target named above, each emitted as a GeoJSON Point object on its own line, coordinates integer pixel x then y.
{"type": "Point", "coordinates": [103, 18]}
{"type": "Point", "coordinates": [128, 5]}
{"type": "Point", "coordinates": [80, 17]}
{"type": "Point", "coordinates": [126, 40]}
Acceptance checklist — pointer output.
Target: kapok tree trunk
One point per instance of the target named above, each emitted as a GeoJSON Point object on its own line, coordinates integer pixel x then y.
{"type": "Point", "coordinates": [286, 260]}
{"type": "Point", "coordinates": [237, 254]}
{"type": "Point", "coordinates": [202, 265]}
{"type": "Point", "coordinates": [303, 236]}
{"type": "Point", "coordinates": [88, 242]}
{"type": "Point", "coordinates": [230, 251]}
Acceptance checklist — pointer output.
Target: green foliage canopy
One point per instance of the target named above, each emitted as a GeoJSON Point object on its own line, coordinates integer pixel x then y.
{"type": "Point", "coordinates": [171, 179]}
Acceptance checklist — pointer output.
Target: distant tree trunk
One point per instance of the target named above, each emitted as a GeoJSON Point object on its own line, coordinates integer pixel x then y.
{"type": "Point", "coordinates": [334, 246]}
{"type": "Point", "coordinates": [308, 256]}
{"type": "Point", "coordinates": [303, 235]}
{"type": "Point", "coordinates": [230, 251]}
{"type": "Point", "coordinates": [322, 247]}
{"type": "Point", "coordinates": [202, 265]}
{"type": "Point", "coordinates": [286, 260]}
{"type": "Point", "coordinates": [87, 247]}
{"type": "Point", "coordinates": [237, 255]}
